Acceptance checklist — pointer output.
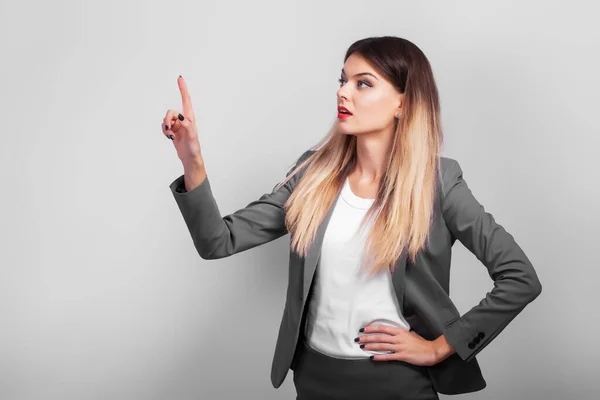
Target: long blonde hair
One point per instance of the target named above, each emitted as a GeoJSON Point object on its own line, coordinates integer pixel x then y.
{"type": "Point", "coordinates": [402, 212]}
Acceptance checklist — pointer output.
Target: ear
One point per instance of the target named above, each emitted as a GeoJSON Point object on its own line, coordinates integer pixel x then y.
{"type": "Point", "coordinates": [400, 103]}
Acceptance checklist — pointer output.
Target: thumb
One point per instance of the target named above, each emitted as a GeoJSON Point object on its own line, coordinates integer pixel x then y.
{"type": "Point", "coordinates": [184, 122]}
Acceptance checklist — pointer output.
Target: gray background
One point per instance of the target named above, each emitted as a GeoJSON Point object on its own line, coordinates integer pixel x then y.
{"type": "Point", "coordinates": [102, 294]}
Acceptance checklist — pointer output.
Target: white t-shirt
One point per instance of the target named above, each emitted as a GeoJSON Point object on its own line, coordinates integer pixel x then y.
{"type": "Point", "coordinates": [345, 299]}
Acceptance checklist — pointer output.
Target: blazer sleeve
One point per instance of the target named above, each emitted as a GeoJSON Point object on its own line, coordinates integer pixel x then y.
{"type": "Point", "coordinates": [214, 236]}
{"type": "Point", "coordinates": [515, 281]}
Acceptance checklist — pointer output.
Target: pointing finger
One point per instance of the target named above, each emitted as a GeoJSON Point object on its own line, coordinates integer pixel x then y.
{"type": "Point", "coordinates": [186, 101]}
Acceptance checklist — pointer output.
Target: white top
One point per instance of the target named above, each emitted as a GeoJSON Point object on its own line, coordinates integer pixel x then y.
{"type": "Point", "coordinates": [345, 299]}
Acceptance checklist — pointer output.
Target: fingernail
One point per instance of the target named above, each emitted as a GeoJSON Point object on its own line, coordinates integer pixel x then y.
{"type": "Point", "coordinates": [371, 358]}
{"type": "Point", "coordinates": [180, 76]}
{"type": "Point", "coordinates": [362, 346]}
{"type": "Point", "coordinates": [361, 330]}
{"type": "Point", "coordinates": [356, 339]}
{"type": "Point", "coordinates": [171, 137]}
{"type": "Point", "coordinates": [180, 117]}
{"type": "Point", "coordinates": [166, 127]}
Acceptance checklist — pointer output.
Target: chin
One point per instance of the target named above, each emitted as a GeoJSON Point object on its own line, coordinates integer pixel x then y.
{"type": "Point", "coordinates": [345, 130]}
{"type": "Point", "coordinates": [353, 132]}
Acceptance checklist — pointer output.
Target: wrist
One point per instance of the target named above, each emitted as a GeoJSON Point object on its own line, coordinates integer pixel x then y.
{"type": "Point", "coordinates": [196, 162]}
{"type": "Point", "coordinates": [442, 349]}
{"type": "Point", "coordinates": [194, 173]}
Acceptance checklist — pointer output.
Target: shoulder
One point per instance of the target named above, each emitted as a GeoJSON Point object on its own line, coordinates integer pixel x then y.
{"type": "Point", "coordinates": [306, 154]}
{"type": "Point", "coordinates": [447, 164]}
{"type": "Point", "coordinates": [299, 160]}
{"type": "Point", "coordinates": [302, 158]}
{"type": "Point", "coordinates": [450, 172]}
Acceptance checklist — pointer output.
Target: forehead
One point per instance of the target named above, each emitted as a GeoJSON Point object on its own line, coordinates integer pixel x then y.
{"type": "Point", "coordinates": [357, 64]}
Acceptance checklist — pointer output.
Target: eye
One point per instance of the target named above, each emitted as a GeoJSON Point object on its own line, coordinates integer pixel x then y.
{"type": "Point", "coordinates": [341, 81]}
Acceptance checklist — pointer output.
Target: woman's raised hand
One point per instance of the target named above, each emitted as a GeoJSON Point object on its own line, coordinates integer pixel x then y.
{"type": "Point", "coordinates": [181, 127]}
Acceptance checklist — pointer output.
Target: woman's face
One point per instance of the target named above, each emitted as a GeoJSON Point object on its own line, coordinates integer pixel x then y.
{"type": "Point", "coordinates": [371, 99]}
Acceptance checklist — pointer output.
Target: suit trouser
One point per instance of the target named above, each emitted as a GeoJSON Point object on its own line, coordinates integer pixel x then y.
{"type": "Point", "coordinates": [319, 376]}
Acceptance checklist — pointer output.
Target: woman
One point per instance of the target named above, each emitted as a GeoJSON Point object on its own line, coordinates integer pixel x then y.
{"type": "Point", "coordinates": [372, 214]}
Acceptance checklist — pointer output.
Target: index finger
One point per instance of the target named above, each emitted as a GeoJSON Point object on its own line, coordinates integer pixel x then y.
{"type": "Point", "coordinates": [186, 101]}
{"type": "Point", "coordinates": [376, 328]}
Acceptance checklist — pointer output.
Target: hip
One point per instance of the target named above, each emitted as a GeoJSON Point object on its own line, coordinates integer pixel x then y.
{"type": "Point", "coordinates": [319, 376]}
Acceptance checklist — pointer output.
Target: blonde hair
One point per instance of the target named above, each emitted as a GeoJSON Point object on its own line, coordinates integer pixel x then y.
{"type": "Point", "coordinates": [402, 212]}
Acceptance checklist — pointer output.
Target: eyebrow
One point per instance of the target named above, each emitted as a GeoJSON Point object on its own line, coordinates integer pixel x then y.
{"type": "Point", "coordinates": [362, 73]}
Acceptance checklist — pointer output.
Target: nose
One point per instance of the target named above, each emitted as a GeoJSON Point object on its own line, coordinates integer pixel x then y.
{"type": "Point", "coordinates": [341, 93]}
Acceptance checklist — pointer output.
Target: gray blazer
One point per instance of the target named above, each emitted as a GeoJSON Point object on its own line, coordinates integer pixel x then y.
{"type": "Point", "coordinates": [422, 288]}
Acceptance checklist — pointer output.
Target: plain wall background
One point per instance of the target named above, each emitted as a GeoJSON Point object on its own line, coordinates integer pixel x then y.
{"type": "Point", "coordinates": [102, 294]}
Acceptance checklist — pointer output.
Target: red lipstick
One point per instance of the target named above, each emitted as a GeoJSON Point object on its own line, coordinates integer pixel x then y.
{"type": "Point", "coordinates": [343, 112]}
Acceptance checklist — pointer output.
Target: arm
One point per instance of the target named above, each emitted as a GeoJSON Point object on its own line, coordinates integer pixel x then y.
{"type": "Point", "coordinates": [261, 221]}
{"type": "Point", "coordinates": [515, 281]}
{"type": "Point", "coordinates": [441, 349]}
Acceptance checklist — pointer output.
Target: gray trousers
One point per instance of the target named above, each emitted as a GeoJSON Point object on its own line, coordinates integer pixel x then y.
{"type": "Point", "coordinates": [318, 376]}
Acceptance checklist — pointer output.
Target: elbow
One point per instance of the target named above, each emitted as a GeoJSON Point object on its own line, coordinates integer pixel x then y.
{"type": "Point", "coordinates": [209, 255]}
{"type": "Point", "coordinates": [532, 283]}
{"type": "Point", "coordinates": [206, 252]}
{"type": "Point", "coordinates": [536, 289]}
{"type": "Point", "coordinates": [210, 252]}
{"type": "Point", "coordinates": [203, 255]}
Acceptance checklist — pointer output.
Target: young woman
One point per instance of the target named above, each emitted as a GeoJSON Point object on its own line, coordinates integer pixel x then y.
{"type": "Point", "coordinates": [372, 212]}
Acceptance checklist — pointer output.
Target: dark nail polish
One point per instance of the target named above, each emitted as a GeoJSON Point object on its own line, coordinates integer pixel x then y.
{"type": "Point", "coordinates": [356, 339]}
{"type": "Point", "coordinates": [372, 357]}
{"type": "Point", "coordinates": [361, 330]}
{"type": "Point", "coordinates": [166, 127]}
{"type": "Point", "coordinates": [180, 117]}
{"type": "Point", "coordinates": [362, 346]}
{"type": "Point", "coordinates": [171, 137]}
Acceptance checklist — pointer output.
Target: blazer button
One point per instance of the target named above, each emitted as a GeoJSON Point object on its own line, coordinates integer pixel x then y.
{"type": "Point", "coordinates": [471, 345]}
{"type": "Point", "coordinates": [481, 335]}
{"type": "Point", "coordinates": [476, 339]}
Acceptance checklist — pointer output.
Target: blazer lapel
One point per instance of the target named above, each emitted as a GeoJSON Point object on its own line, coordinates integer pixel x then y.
{"type": "Point", "coordinates": [398, 280]}
{"type": "Point", "coordinates": [314, 253]}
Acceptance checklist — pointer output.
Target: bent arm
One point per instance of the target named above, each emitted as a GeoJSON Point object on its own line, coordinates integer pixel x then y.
{"type": "Point", "coordinates": [261, 221]}
{"type": "Point", "coordinates": [516, 283]}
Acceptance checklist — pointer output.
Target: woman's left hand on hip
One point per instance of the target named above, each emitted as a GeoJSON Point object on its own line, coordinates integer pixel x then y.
{"type": "Point", "coordinates": [407, 346]}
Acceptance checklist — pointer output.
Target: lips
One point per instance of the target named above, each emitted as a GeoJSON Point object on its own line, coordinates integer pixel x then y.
{"type": "Point", "coordinates": [343, 110]}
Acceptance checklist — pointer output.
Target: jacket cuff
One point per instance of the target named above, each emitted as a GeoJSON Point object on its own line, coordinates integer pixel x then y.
{"type": "Point", "coordinates": [178, 187]}
{"type": "Point", "coordinates": [468, 344]}
{"type": "Point", "coordinates": [201, 213]}
{"type": "Point", "coordinates": [455, 337]}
